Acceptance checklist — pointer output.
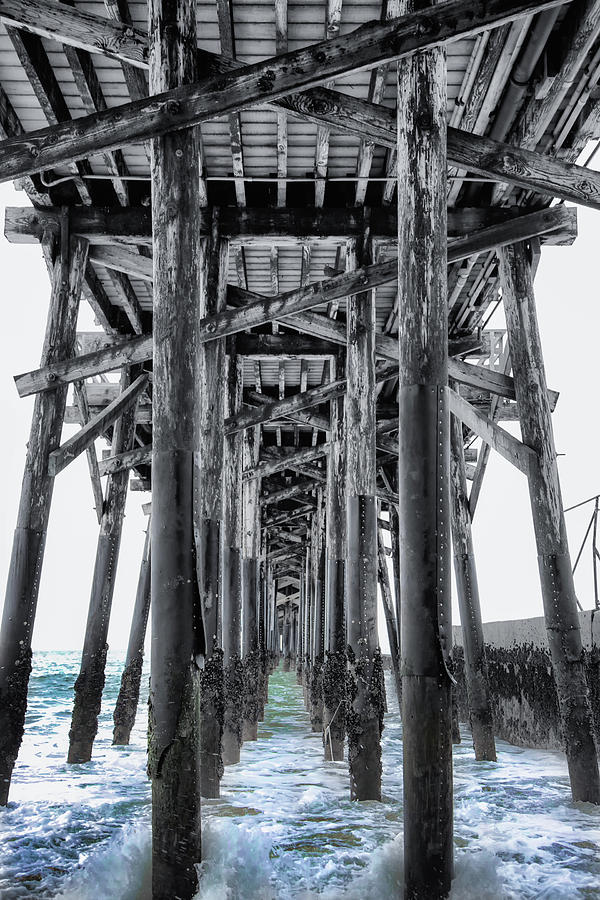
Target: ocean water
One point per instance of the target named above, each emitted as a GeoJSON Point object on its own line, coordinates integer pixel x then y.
{"type": "Point", "coordinates": [284, 827]}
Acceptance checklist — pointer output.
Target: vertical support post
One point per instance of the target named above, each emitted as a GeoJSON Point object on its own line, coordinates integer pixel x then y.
{"type": "Point", "coordinates": [308, 609]}
{"type": "Point", "coordinates": [129, 692]}
{"type": "Point", "coordinates": [287, 647]}
{"type": "Point", "coordinates": [423, 475]}
{"type": "Point", "coordinates": [365, 707]}
{"type": "Point", "coordinates": [476, 675]}
{"type": "Point", "coordinates": [177, 634]}
{"type": "Point", "coordinates": [24, 574]}
{"type": "Point", "coordinates": [232, 571]}
{"type": "Point", "coordinates": [554, 561]}
{"type": "Point", "coordinates": [317, 611]}
{"type": "Point", "coordinates": [90, 681]}
{"type": "Point", "coordinates": [388, 611]}
{"type": "Point", "coordinates": [208, 474]}
{"type": "Point", "coordinates": [301, 618]}
{"type": "Point", "coordinates": [334, 670]}
{"type": "Point", "coordinates": [250, 571]}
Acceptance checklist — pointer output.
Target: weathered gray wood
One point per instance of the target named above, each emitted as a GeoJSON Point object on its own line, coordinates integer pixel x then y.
{"type": "Point", "coordinates": [250, 588]}
{"type": "Point", "coordinates": [208, 512]}
{"type": "Point", "coordinates": [476, 677]}
{"type": "Point", "coordinates": [368, 45]}
{"type": "Point", "coordinates": [389, 613]}
{"type": "Point", "coordinates": [232, 574]}
{"type": "Point", "coordinates": [77, 28]}
{"type": "Point", "coordinates": [174, 738]}
{"type": "Point", "coordinates": [129, 691]}
{"type": "Point", "coordinates": [81, 398]}
{"type": "Point", "coordinates": [509, 447]}
{"type": "Point", "coordinates": [496, 382]}
{"type": "Point", "coordinates": [210, 328]}
{"type": "Point", "coordinates": [34, 509]}
{"type": "Point", "coordinates": [128, 460]}
{"type": "Point", "coordinates": [60, 458]}
{"type": "Point", "coordinates": [316, 649]}
{"type": "Point", "coordinates": [423, 476]}
{"type": "Point", "coordinates": [558, 591]}
{"type": "Point", "coordinates": [90, 681]}
{"type": "Point", "coordinates": [303, 400]}
{"type": "Point", "coordinates": [133, 225]}
{"type": "Point", "coordinates": [334, 668]}
{"type": "Point", "coordinates": [364, 713]}
{"type": "Point", "coordinates": [267, 467]}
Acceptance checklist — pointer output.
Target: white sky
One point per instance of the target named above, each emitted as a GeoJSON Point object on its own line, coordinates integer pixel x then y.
{"type": "Point", "coordinates": [569, 317]}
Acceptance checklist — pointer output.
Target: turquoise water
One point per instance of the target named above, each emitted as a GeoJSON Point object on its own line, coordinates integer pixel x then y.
{"type": "Point", "coordinates": [283, 827]}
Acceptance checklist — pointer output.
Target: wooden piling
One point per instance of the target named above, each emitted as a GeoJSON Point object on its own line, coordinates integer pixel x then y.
{"type": "Point", "coordinates": [232, 573]}
{"type": "Point", "coordinates": [208, 512]}
{"type": "Point", "coordinates": [250, 587]}
{"type": "Point", "coordinates": [34, 508]}
{"type": "Point", "coordinates": [554, 561]}
{"type": "Point", "coordinates": [177, 636]}
{"type": "Point", "coordinates": [287, 637]}
{"type": "Point", "coordinates": [365, 701]}
{"type": "Point", "coordinates": [334, 668]}
{"type": "Point", "coordinates": [423, 475]}
{"type": "Point", "coordinates": [90, 681]}
{"type": "Point", "coordinates": [315, 688]}
{"type": "Point", "coordinates": [476, 676]}
{"type": "Point", "coordinates": [129, 692]}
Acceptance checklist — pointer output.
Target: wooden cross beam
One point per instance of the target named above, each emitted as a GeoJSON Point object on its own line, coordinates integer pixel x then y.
{"type": "Point", "coordinates": [268, 467]}
{"type": "Point", "coordinates": [260, 310]}
{"type": "Point", "coordinates": [133, 225]}
{"type": "Point", "coordinates": [511, 449]}
{"type": "Point", "coordinates": [303, 400]}
{"type": "Point", "coordinates": [128, 460]}
{"type": "Point", "coordinates": [230, 321]}
{"type": "Point", "coordinates": [70, 450]}
{"type": "Point", "coordinates": [268, 80]}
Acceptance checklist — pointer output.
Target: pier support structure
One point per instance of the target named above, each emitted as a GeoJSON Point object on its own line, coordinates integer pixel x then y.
{"type": "Point", "coordinates": [558, 590]}
{"type": "Point", "coordinates": [208, 474]}
{"type": "Point", "coordinates": [334, 667]}
{"type": "Point", "coordinates": [129, 692]}
{"type": "Point", "coordinates": [25, 570]}
{"type": "Point", "coordinates": [476, 676]}
{"type": "Point", "coordinates": [90, 681]}
{"type": "Point", "coordinates": [251, 549]}
{"type": "Point", "coordinates": [232, 571]}
{"type": "Point", "coordinates": [178, 640]}
{"type": "Point", "coordinates": [365, 701]}
{"type": "Point", "coordinates": [423, 474]}
{"type": "Point", "coordinates": [317, 551]}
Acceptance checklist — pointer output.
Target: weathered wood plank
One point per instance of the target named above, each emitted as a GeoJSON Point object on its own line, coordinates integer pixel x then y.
{"type": "Point", "coordinates": [75, 445]}
{"type": "Point", "coordinates": [128, 460]}
{"type": "Point", "coordinates": [185, 106]}
{"type": "Point", "coordinates": [511, 449]}
{"type": "Point", "coordinates": [133, 225]}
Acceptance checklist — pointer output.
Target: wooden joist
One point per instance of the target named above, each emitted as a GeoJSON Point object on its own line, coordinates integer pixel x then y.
{"type": "Point", "coordinates": [268, 80]}
{"type": "Point", "coordinates": [96, 426]}
{"type": "Point", "coordinates": [133, 225]}
{"type": "Point", "coordinates": [511, 449]}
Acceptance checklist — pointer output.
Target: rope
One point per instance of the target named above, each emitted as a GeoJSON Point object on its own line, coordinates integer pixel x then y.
{"type": "Point", "coordinates": [328, 729]}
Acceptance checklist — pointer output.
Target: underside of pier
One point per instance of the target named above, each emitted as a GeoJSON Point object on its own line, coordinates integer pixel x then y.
{"type": "Point", "coordinates": [294, 222]}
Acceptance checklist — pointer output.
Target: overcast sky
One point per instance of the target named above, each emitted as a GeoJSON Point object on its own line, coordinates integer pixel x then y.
{"type": "Point", "coordinates": [569, 316]}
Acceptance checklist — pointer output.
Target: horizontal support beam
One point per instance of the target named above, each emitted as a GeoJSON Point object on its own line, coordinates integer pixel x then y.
{"type": "Point", "coordinates": [489, 380]}
{"type": "Point", "coordinates": [511, 449]}
{"type": "Point", "coordinates": [275, 409]}
{"type": "Point", "coordinates": [133, 225]}
{"type": "Point", "coordinates": [59, 459]}
{"type": "Point", "coordinates": [286, 493]}
{"type": "Point", "coordinates": [266, 81]}
{"type": "Point", "coordinates": [230, 321]}
{"type": "Point", "coordinates": [128, 460]}
{"type": "Point", "coordinates": [267, 467]}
